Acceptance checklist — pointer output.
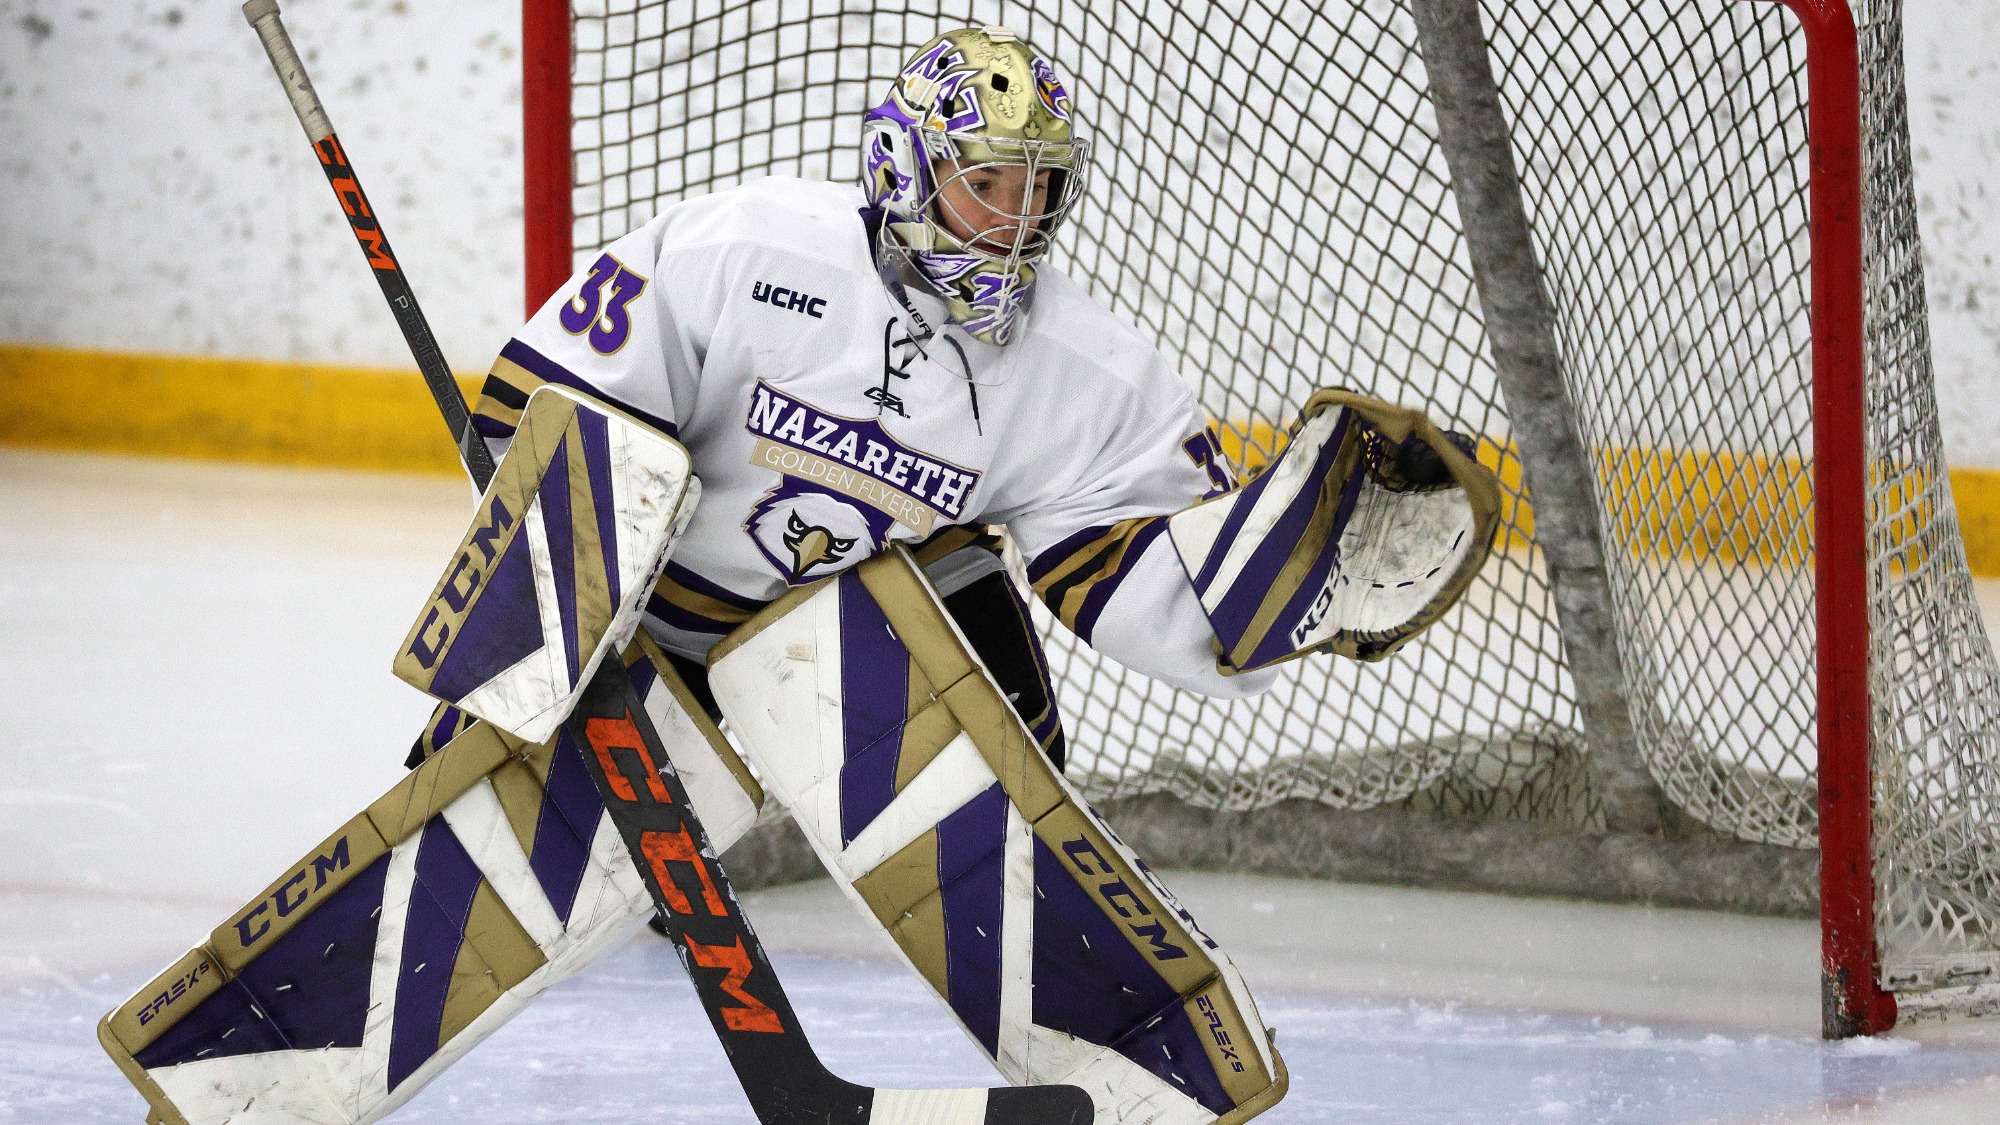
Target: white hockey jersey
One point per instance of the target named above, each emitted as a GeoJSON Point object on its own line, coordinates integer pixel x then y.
{"type": "Point", "coordinates": [753, 325]}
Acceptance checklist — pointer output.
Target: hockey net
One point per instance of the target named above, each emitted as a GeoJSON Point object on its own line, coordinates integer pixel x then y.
{"type": "Point", "coordinates": [1271, 206]}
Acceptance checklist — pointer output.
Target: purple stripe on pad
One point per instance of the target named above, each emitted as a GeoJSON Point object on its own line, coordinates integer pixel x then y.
{"type": "Point", "coordinates": [229, 1023]}
{"type": "Point", "coordinates": [972, 852]}
{"type": "Point", "coordinates": [1172, 1048]}
{"type": "Point", "coordinates": [1090, 981]}
{"type": "Point", "coordinates": [1246, 591]}
{"type": "Point", "coordinates": [433, 931]}
{"type": "Point", "coordinates": [502, 629]}
{"type": "Point", "coordinates": [596, 453]}
{"type": "Point", "coordinates": [644, 679]}
{"type": "Point", "coordinates": [875, 701]}
{"type": "Point", "coordinates": [556, 515]}
{"type": "Point", "coordinates": [1278, 640]}
{"type": "Point", "coordinates": [1247, 501]}
{"type": "Point", "coordinates": [451, 722]}
{"type": "Point", "coordinates": [571, 809]}
{"type": "Point", "coordinates": [307, 991]}
{"type": "Point", "coordinates": [1232, 524]}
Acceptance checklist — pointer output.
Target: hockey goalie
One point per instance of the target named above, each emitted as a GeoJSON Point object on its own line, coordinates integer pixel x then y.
{"type": "Point", "coordinates": [760, 452]}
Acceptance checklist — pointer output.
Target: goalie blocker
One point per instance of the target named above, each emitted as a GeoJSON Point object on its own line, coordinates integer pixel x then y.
{"type": "Point", "coordinates": [553, 574]}
{"type": "Point", "coordinates": [1061, 955]}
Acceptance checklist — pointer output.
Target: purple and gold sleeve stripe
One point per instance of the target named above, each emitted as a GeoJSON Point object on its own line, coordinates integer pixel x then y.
{"type": "Point", "coordinates": [515, 375]}
{"type": "Point", "coordinates": [952, 540]}
{"type": "Point", "coordinates": [1076, 577]}
{"type": "Point", "coordinates": [686, 600]}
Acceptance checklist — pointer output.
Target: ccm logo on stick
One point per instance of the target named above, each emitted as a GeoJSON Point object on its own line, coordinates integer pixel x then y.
{"type": "Point", "coordinates": [291, 894]}
{"type": "Point", "coordinates": [614, 739]}
{"type": "Point", "coordinates": [787, 299]}
{"type": "Point", "coordinates": [333, 159]}
{"type": "Point", "coordinates": [1123, 901]}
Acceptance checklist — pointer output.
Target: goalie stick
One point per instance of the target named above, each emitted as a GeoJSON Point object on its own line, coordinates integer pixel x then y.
{"type": "Point", "coordinates": [774, 1062]}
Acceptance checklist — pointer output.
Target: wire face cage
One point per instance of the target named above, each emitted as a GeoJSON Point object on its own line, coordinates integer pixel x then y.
{"type": "Point", "coordinates": [1272, 204]}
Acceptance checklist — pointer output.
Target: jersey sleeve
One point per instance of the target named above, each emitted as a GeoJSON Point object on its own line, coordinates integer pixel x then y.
{"type": "Point", "coordinates": [1100, 559]}
{"type": "Point", "coordinates": [630, 328]}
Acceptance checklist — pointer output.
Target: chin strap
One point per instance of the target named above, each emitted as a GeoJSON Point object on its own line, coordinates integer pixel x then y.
{"type": "Point", "coordinates": [896, 266]}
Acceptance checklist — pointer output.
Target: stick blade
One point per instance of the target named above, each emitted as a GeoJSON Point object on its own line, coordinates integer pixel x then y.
{"type": "Point", "coordinates": [1000, 1105]}
{"type": "Point", "coordinates": [1039, 1105]}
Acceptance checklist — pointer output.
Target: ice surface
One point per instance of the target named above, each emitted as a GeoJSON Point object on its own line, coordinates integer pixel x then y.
{"type": "Point", "coordinates": [626, 1042]}
{"type": "Point", "coordinates": [194, 688]}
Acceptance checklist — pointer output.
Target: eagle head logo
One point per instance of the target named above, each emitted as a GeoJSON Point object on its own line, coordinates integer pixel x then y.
{"type": "Point", "coordinates": [808, 534]}
{"type": "Point", "coordinates": [813, 545]}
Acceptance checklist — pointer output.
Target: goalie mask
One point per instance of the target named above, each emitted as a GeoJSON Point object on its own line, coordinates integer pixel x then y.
{"type": "Point", "coordinates": [974, 162]}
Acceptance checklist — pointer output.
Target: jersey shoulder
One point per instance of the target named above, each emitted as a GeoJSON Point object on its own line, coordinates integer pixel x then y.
{"type": "Point", "coordinates": [1101, 348]}
{"type": "Point", "coordinates": [783, 214]}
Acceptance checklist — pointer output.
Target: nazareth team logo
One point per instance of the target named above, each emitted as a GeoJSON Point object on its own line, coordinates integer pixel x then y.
{"type": "Point", "coordinates": [844, 485]}
{"type": "Point", "coordinates": [808, 534]}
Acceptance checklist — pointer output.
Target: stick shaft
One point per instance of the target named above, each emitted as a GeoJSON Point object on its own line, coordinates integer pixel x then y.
{"type": "Point", "coordinates": [361, 218]}
{"type": "Point", "coordinates": [783, 1069]}
{"type": "Point", "coordinates": [780, 1073]}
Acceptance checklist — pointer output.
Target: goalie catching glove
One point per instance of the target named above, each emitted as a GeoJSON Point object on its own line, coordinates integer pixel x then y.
{"type": "Point", "coordinates": [1363, 531]}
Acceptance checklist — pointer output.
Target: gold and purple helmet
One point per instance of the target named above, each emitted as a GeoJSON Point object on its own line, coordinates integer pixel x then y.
{"type": "Point", "coordinates": [982, 98]}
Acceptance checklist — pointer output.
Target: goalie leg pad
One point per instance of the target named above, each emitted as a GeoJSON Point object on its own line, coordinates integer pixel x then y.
{"type": "Point", "coordinates": [1330, 549]}
{"type": "Point", "coordinates": [564, 547]}
{"type": "Point", "coordinates": [868, 713]}
{"type": "Point", "coordinates": [488, 874]}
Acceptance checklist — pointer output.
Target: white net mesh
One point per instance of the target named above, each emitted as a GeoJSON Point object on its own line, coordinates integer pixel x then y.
{"type": "Point", "coordinates": [1270, 206]}
{"type": "Point", "coordinates": [1675, 247]}
{"type": "Point", "coordinates": [1932, 673]}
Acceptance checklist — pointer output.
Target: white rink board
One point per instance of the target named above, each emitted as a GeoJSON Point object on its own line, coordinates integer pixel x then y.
{"type": "Point", "coordinates": [137, 131]}
{"type": "Point", "coordinates": [177, 747]}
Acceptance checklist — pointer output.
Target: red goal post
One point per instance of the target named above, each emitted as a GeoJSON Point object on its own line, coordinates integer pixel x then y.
{"type": "Point", "coordinates": [545, 152]}
{"type": "Point", "coordinates": [620, 38]}
{"type": "Point", "coordinates": [1855, 1003]}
